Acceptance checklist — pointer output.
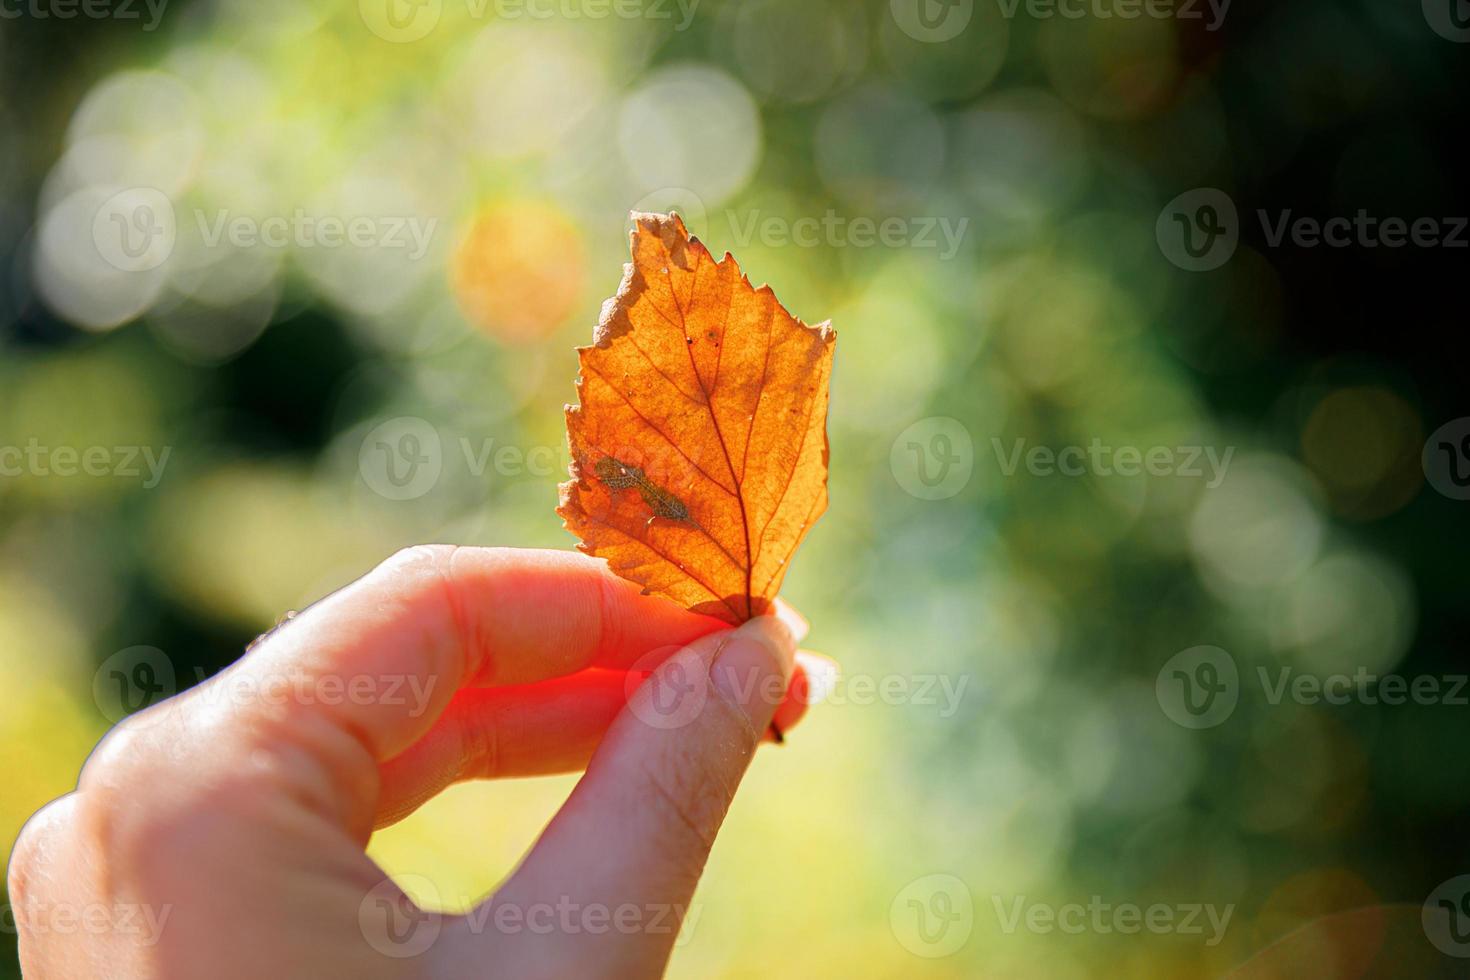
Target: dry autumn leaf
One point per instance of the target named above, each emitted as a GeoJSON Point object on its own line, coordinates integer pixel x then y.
{"type": "Point", "coordinates": [699, 449]}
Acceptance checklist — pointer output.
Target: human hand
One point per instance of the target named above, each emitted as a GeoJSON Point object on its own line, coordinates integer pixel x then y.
{"type": "Point", "coordinates": [229, 823]}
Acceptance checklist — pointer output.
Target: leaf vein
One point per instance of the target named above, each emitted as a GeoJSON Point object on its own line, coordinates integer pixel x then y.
{"type": "Point", "coordinates": [666, 437]}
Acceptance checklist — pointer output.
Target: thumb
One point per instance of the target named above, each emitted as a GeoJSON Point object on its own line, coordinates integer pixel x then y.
{"type": "Point", "coordinates": [622, 858]}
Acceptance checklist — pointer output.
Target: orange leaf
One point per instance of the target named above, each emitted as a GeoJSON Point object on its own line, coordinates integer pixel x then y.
{"type": "Point", "coordinates": [699, 450]}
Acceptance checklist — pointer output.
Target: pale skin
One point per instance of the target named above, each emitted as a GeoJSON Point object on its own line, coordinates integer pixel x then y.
{"type": "Point", "coordinates": [241, 821]}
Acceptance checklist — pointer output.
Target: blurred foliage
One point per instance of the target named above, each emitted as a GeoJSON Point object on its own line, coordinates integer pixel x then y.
{"type": "Point", "coordinates": [1048, 145]}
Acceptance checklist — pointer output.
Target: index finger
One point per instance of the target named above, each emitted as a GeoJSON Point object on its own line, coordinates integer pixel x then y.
{"type": "Point", "coordinates": [435, 618]}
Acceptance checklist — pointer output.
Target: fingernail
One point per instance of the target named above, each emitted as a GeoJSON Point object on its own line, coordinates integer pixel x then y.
{"type": "Point", "coordinates": [822, 675]}
{"type": "Point", "coordinates": [795, 621]}
{"type": "Point", "coordinates": [753, 668]}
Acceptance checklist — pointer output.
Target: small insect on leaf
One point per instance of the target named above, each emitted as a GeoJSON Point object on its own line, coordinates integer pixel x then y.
{"type": "Point", "coordinates": [703, 394]}
{"type": "Point", "coordinates": [617, 476]}
{"type": "Point", "coordinates": [662, 503]}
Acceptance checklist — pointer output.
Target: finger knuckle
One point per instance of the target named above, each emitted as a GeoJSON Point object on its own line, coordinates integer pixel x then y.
{"type": "Point", "coordinates": [693, 799]}
{"type": "Point", "coordinates": [36, 847]}
{"type": "Point", "coordinates": [426, 556]}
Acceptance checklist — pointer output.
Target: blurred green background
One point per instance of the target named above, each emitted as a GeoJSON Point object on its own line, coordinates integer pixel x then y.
{"type": "Point", "coordinates": [977, 194]}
